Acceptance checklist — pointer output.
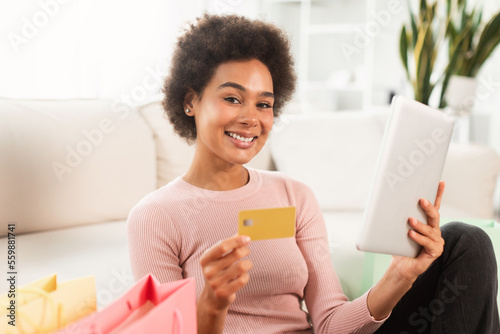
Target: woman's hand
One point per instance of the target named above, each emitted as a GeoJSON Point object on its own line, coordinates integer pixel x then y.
{"type": "Point", "coordinates": [223, 272]}
{"type": "Point", "coordinates": [403, 271]}
{"type": "Point", "coordinates": [428, 236]}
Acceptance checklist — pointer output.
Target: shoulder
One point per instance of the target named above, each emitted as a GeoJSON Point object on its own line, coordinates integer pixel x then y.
{"type": "Point", "coordinates": [156, 208]}
{"type": "Point", "coordinates": [276, 177]}
{"type": "Point", "coordinates": [276, 181]}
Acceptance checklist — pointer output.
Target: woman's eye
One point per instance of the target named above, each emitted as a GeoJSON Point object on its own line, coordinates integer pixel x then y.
{"type": "Point", "coordinates": [264, 105]}
{"type": "Point", "coordinates": [232, 100]}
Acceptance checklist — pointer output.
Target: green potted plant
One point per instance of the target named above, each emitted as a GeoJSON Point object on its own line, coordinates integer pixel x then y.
{"type": "Point", "coordinates": [470, 44]}
{"type": "Point", "coordinates": [419, 46]}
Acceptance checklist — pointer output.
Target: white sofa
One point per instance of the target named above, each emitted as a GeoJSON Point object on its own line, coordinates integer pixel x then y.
{"type": "Point", "coordinates": [71, 170]}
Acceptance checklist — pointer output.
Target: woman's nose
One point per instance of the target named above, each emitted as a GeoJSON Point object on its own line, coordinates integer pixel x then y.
{"type": "Point", "coordinates": [249, 116]}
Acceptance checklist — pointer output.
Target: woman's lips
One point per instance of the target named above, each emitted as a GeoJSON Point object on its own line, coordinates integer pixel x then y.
{"type": "Point", "coordinates": [240, 141]}
{"type": "Point", "coordinates": [242, 137]}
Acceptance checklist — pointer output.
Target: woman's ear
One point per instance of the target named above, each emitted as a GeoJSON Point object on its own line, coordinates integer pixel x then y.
{"type": "Point", "coordinates": [189, 105]}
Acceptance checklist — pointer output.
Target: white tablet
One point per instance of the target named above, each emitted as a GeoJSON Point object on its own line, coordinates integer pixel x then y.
{"type": "Point", "coordinates": [409, 167]}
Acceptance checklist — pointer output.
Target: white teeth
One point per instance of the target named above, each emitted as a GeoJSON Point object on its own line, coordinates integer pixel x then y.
{"type": "Point", "coordinates": [243, 139]}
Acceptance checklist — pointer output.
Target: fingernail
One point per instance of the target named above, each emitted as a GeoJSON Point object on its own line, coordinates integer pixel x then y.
{"type": "Point", "coordinates": [246, 239]}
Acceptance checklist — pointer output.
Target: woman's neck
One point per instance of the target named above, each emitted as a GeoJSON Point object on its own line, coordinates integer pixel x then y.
{"type": "Point", "coordinates": [219, 176]}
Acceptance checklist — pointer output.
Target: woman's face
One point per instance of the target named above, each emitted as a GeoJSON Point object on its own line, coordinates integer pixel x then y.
{"type": "Point", "coordinates": [235, 112]}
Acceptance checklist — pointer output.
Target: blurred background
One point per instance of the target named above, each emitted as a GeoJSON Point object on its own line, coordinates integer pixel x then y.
{"type": "Point", "coordinates": [346, 51]}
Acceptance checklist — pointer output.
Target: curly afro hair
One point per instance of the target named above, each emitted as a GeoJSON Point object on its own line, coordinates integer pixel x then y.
{"type": "Point", "coordinates": [213, 40]}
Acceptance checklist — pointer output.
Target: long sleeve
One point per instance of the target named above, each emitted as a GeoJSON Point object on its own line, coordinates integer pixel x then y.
{"type": "Point", "coordinates": [329, 308]}
{"type": "Point", "coordinates": [154, 243]}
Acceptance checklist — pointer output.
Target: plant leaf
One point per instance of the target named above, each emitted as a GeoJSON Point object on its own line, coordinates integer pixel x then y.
{"type": "Point", "coordinates": [403, 50]}
{"type": "Point", "coordinates": [428, 51]}
{"type": "Point", "coordinates": [455, 56]}
{"type": "Point", "coordinates": [463, 19]}
{"type": "Point", "coordinates": [414, 29]}
{"type": "Point", "coordinates": [489, 40]}
{"type": "Point", "coordinates": [423, 10]}
{"type": "Point", "coordinates": [421, 54]}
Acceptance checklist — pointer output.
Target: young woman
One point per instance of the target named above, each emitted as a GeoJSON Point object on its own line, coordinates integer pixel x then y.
{"type": "Point", "coordinates": [230, 77]}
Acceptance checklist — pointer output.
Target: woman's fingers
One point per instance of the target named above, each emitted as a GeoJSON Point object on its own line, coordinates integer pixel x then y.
{"type": "Point", "coordinates": [216, 267]}
{"type": "Point", "coordinates": [431, 212]}
{"type": "Point", "coordinates": [225, 271]}
{"type": "Point", "coordinates": [222, 248]}
{"type": "Point", "coordinates": [232, 279]}
{"type": "Point", "coordinates": [425, 230]}
{"type": "Point", "coordinates": [234, 255]}
{"type": "Point", "coordinates": [427, 236]}
{"type": "Point", "coordinates": [238, 282]}
{"type": "Point", "coordinates": [432, 247]}
{"type": "Point", "coordinates": [439, 195]}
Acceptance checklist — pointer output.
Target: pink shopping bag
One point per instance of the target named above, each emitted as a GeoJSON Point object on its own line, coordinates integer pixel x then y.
{"type": "Point", "coordinates": [148, 307]}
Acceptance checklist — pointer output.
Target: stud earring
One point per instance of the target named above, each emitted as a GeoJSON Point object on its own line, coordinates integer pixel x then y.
{"type": "Point", "coordinates": [187, 111]}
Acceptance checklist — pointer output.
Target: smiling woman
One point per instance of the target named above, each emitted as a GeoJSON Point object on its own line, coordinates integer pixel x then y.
{"type": "Point", "coordinates": [218, 39]}
{"type": "Point", "coordinates": [230, 76]}
{"type": "Point", "coordinates": [233, 119]}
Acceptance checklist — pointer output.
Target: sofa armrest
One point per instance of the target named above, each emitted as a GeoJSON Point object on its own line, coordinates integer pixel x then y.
{"type": "Point", "coordinates": [470, 173]}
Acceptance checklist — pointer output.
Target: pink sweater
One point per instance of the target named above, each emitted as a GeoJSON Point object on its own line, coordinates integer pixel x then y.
{"type": "Point", "coordinates": [169, 229]}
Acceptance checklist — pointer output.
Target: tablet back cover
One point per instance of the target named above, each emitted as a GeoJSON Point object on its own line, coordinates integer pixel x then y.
{"type": "Point", "coordinates": [409, 167]}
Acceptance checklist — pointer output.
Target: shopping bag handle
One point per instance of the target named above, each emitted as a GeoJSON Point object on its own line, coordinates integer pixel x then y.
{"type": "Point", "coordinates": [177, 322]}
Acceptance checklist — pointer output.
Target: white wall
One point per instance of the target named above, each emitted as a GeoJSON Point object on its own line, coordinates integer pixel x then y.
{"type": "Point", "coordinates": [93, 49]}
{"type": "Point", "coordinates": [89, 48]}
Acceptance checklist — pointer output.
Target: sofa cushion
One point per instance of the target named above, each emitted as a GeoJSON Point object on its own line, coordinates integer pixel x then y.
{"type": "Point", "coordinates": [71, 162]}
{"type": "Point", "coordinates": [334, 153]}
{"type": "Point", "coordinates": [470, 173]}
{"type": "Point", "coordinates": [173, 154]}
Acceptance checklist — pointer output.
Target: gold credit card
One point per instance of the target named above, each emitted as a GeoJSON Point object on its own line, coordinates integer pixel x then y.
{"type": "Point", "coordinates": [267, 223]}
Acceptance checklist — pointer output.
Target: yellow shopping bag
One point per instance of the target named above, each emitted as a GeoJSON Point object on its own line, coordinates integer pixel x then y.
{"type": "Point", "coordinates": [46, 305]}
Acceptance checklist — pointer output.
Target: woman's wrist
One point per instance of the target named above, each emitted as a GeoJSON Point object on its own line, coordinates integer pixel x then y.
{"type": "Point", "coordinates": [387, 292]}
{"type": "Point", "coordinates": [210, 318]}
{"type": "Point", "coordinates": [206, 304]}
{"type": "Point", "coordinates": [395, 275]}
